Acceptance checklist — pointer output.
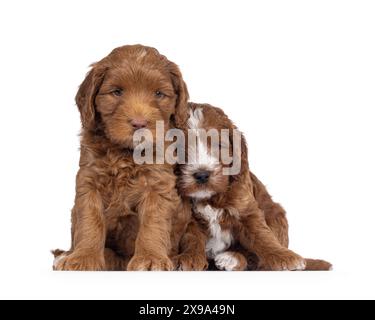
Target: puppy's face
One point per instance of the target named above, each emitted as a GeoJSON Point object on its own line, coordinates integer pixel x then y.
{"type": "Point", "coordinates": [202, 176]}
{"type": "Point", "coordinates": [202, 180]}
{"type": "Point", "coordinates": [134, 96]}
{"type": "Point", "coordinates": [134, 88]}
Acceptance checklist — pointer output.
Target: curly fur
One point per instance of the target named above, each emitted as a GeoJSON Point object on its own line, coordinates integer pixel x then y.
{"type": "Point", "coordinates": [239, 206]}
{"type": "Point", "coordinates": [124, 212]}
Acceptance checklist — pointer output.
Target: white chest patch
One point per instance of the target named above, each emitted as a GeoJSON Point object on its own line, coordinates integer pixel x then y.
{"type": "Point", "coordinates": [220, 240]}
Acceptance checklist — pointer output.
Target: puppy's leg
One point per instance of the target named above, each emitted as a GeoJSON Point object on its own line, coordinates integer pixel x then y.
{"type": "Point", "coordinates": [193, 250]}
{"type": "Point", "coordinates": [276, 219]}
{"type": "Point", "coordinates": [153, 244]}
{"type": "Point", "coordinates": [88, 234]}
{"type": "Point", "coordinates": [274, 213]}
{"type": "Point", "coordinates": [180, 222]}
{"type": "Point", "coordinates": [257, 237]}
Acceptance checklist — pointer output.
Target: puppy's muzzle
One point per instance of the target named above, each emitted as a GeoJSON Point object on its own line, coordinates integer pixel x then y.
{"type": "Point", "coordinates": [202, 177]}
{"type": "Point", "coordinates": [139, 123]}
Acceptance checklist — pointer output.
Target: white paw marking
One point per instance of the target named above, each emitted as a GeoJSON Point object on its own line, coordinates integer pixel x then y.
{"type": "Point", "coordinates": [299, 267]}
{"type": "Point", "coordinates": [226, 261]}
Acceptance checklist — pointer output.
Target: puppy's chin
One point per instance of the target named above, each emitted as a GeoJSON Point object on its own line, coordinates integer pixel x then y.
{"type": "Point", "coordinates": [202, 194]}
{"type": "Point", "coordinates": [188, 188]}
{"type": "Point", "coordinates": [126, 143]}
{"type": "Point", "coordinates": [130, 143]}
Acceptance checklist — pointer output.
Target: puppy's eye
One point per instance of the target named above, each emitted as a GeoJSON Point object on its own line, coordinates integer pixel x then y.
{"type": "Point", "coordinates": [117, 92]}
{"type": "Point", "coordinates": [159, 94]}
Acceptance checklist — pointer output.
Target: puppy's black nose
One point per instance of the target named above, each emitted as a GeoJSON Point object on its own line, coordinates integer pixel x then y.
{"type": "Point", "coordinates": [202, 177]}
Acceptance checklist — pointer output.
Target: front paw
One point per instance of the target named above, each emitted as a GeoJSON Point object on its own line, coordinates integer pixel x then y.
{"type": "Point", "coordinates": [79, 261]}
{"type": "Point", "coordinates": [188, 262]}
{"type": "Point", "coordinates": [231, 261]}
{"type": "Point", "coordinates": [148, 262]}
{"type": "Point", "coordinates": [282, 261]}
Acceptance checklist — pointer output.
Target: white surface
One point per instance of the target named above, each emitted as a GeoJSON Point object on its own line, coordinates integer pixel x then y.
{"type": "Point", "coordinates": [296, 76]}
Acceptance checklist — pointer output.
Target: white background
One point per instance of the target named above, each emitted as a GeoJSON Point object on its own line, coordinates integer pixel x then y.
{"type": "Point", "coordinates": [297, 77]}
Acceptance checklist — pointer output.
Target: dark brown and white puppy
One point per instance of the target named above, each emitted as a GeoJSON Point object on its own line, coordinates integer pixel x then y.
{"type": "Point", "coordinates": [236, 224]}
{"type": "Point", "coordinates": [124, 212]}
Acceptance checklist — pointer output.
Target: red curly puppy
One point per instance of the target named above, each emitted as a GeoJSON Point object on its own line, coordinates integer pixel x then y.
{"type": "Point", "coordinates": [236, 224]}
{"type": "Point", "coordinates": [124, 212]}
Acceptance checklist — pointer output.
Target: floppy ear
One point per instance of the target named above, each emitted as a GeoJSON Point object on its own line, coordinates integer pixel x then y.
{"type": "Point", "coordinates": [85, 98]}
{"type": "Point", "coordinates": [239, 148]}
{"type": "Point", "coordinates": [181, 115]}
{"type": "Point", "coordinates": [243, 154]}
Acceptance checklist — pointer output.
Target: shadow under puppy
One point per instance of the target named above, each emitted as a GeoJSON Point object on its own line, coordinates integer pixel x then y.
{"type": "Point", "coordinates": [235, 225]}
{"type": "Point", "coordinates": [124, 212]}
